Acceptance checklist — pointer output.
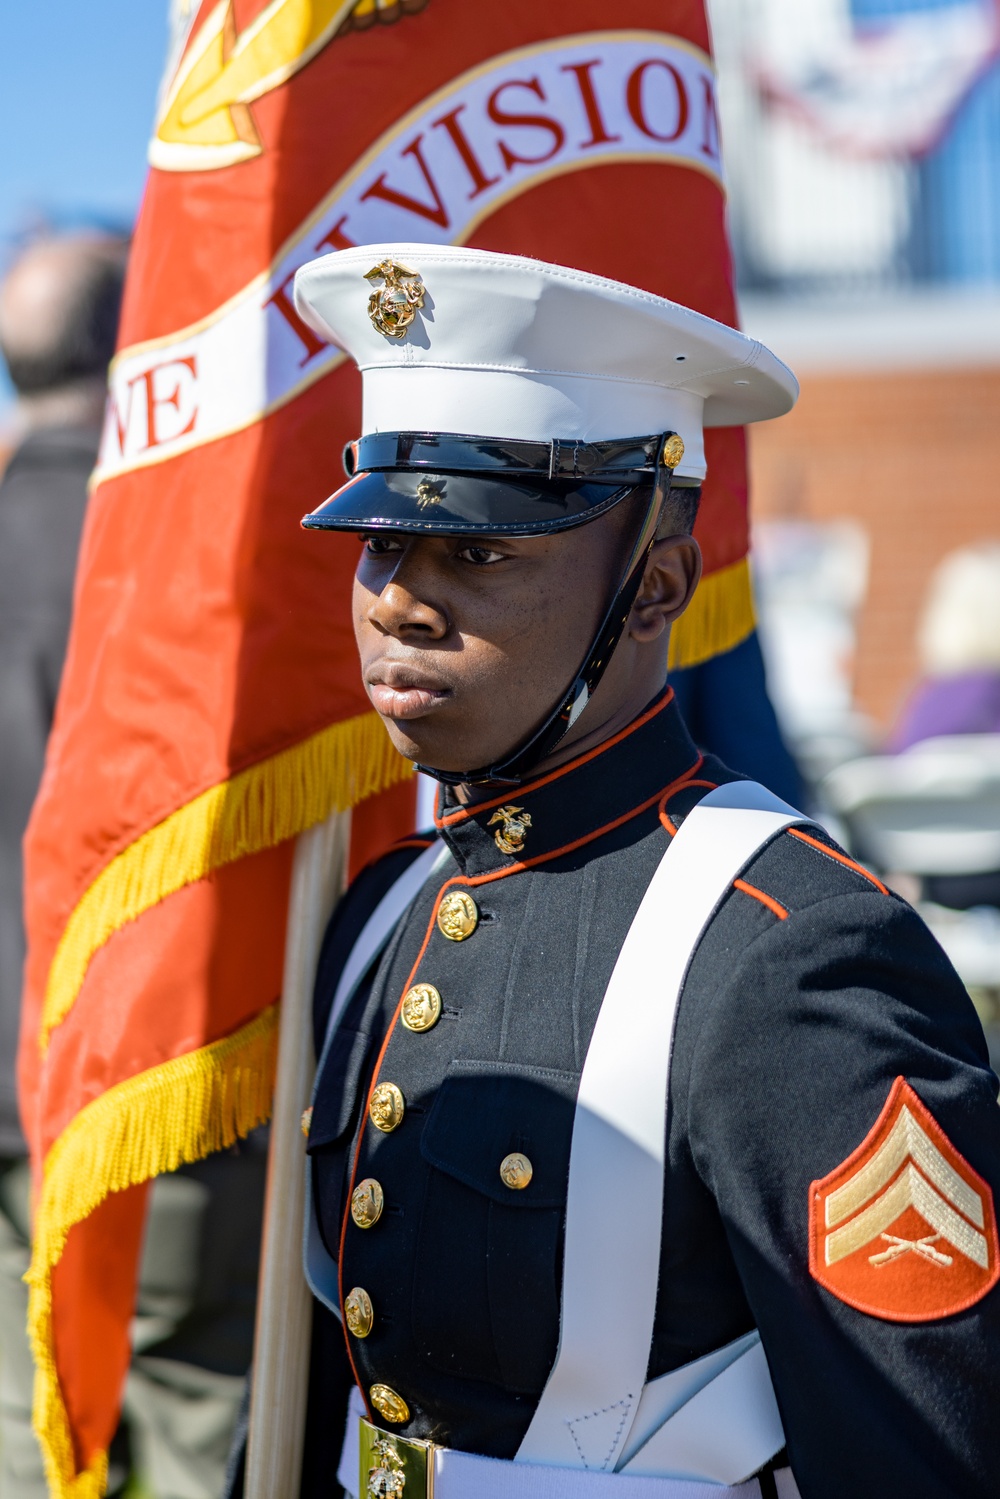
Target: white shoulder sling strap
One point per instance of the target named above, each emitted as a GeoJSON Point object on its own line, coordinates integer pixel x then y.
{"type": "Point", "coordinates": [586, 1417]}
{"type": "Point", "coordinates": [320, 1267]}
{"type": "Point", "coordinates": [374, 935]}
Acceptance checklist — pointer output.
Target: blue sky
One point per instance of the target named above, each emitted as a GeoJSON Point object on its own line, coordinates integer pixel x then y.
{"type": "Point", "coordinates": [78, 81]}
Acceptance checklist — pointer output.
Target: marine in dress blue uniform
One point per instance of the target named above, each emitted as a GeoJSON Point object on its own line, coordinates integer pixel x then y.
{"type": "Point", "coordinates": [832, 1138]}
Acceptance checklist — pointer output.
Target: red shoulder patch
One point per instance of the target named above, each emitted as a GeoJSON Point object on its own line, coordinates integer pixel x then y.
{"type": "Point", "coordinates": [904, 1229]}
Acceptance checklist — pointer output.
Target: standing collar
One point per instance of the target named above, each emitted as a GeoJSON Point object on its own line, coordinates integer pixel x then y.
{"type": "Point", "coordinates": [578, 801]}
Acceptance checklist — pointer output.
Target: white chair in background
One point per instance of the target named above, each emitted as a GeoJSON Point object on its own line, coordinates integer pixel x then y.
{"type": "Point", "coordinates": [932, 811]}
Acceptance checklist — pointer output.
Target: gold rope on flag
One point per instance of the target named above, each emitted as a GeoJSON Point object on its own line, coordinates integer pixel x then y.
{"type": "Point", "coordinates": [718, 618]}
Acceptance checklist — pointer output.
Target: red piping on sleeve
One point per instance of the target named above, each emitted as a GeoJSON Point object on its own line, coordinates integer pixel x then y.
{"type": "Point", "coordinates": [834, 853]}
{"type": "Point", "coordinates": [766, 900]}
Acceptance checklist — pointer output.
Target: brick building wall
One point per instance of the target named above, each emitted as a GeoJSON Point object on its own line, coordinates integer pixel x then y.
{"type": "Point", "coordinates": [912, 457]}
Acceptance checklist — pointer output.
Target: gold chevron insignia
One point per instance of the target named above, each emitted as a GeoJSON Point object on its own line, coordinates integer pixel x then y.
{"type": "Point", "coordinates": [936, 1191]}
{"type": "Point", "coordinates": [205, 121]}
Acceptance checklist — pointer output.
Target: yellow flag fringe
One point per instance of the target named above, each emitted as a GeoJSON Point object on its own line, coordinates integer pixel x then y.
{"type": "Point", "coordinates": [172, 1114]}
{"type": "Point", "coordinates": [297, 788]}
{"type": "Point", "coordinates": [718, 618]}
{"type": "Point", "coordinates": [256, 809]}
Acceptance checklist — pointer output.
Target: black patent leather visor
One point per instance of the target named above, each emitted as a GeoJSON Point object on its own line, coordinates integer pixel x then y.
{"type": "Point", "coordinates": [449, 482]}
{"type": "Point", "coordinates": [405, 500]}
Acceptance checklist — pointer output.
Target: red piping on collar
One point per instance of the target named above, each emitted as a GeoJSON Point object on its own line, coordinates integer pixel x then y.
{"type": "Point", "coordinates": [671, 791]}
{"type": "Point", "coordinates": [462, 814]}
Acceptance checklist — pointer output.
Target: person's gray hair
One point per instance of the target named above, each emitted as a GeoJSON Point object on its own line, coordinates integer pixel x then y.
{"type": "Point", "coordinates": [960, 624]}
{"type": "Point", "coordinates": [59, 307]}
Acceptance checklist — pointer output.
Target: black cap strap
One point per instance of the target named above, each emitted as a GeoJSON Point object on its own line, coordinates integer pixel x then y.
{"type": "Point", "coordinates": [513, 769]}
{"type": "Point", "coordinates": [622, 461]}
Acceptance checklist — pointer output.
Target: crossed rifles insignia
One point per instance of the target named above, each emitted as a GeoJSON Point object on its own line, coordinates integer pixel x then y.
{"type": "Point", "coordinates": [904, 1229]}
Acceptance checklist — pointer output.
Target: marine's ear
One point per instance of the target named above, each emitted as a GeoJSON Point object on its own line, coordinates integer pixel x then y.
{"type": "Point", "coordinates": [671, 576]}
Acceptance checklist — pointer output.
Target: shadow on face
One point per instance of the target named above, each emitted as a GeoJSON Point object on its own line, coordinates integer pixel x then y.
{"type": "Point", "coordinates": [467, 644]}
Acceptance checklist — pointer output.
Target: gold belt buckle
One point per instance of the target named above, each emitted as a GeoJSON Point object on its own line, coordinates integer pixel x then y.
{"type": "Point", "coordinates": [393, 1467]}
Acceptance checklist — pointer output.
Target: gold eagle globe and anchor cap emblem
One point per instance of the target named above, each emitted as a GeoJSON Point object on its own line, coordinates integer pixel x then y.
{"type": "Point", "coordinates": [393, 306]}
{"type": "Point", "coordinates": [514, 825]}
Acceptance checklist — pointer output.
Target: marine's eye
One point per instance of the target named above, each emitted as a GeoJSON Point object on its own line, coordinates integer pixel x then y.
{"type": "Point", "coordinates": [480, 556]}
{"type": "Point", "coordinates": [378, 545]}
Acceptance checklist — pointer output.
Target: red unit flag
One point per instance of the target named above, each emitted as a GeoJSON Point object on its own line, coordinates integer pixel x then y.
{"type": "Point", "coordinates": [211, 707]}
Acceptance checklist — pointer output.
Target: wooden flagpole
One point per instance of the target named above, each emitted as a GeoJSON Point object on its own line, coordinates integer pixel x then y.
{"type": "Point", "coordinates": [284, 1313]}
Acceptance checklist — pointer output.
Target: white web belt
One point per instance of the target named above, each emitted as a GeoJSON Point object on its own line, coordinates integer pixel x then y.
{"type": "Point", "coordinates": [464, 1475]}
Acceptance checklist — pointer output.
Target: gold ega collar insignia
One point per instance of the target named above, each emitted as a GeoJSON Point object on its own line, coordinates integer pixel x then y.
{"type": "Point", "coordinates": [510, 836]}
{"type": "Point", "coordinates": [393, 306]}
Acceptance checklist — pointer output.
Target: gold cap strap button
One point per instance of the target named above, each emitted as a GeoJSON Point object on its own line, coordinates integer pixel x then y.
{"type": "Point", "coordinates": [421, 1007]}
{"type": "Point", "coordinates": [359, 1313]}
{"type": "Point", "coordinates": [386, 1108]}
{"type": "Point", "coordinates": [516, 1171]}
{"type": "Point", "coordinates": [458, 916]}
{"type": "Point", "coordinates": [673, 450]}
{"type": "Point", "coordinates": [390, 1406]}
{"type": "Point", "coordinates": [367, 1202]}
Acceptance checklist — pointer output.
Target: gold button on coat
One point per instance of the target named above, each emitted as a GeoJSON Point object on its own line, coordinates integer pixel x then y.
{"type": "Point", "coordinates": [367, 1202]}
{"type": "Point", "coordinates": [306, 1120]}
{"type": "Point", "coordinates": [358, 1312]}
{"type": "Point", "coordinates": [387, 1108]}
{"type": "Point", "coordinates": [390, 1406]}
{"type": "Point", "coordinates": [421, 1007]}
{"type": "Point", "coordinates": [458, 916]}
{"type": "Point", "coordinates": [516, 1171]}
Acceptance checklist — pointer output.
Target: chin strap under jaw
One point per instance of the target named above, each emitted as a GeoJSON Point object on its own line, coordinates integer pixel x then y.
{"type": "Point", "coordinates": [513, 770]}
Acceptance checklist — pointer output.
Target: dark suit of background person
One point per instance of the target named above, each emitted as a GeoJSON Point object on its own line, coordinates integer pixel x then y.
{"type": "Point", "coordinates": [193, 1331]}
{"type": "Point", "coordinates": [58, 317]}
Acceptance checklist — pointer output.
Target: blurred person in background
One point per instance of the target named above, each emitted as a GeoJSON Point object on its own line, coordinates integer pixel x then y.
{"type": "Point", "coordinates": [58, 319]}
{"type": "Point", "coordinates": [959, 647]}
{"type": "Point", "coordinates": [958, 643]}
{"type": "Point", "coordinates": [193, 1332]}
